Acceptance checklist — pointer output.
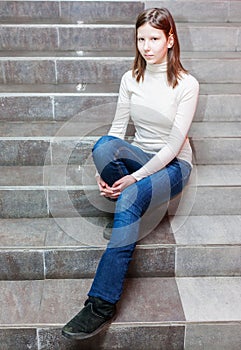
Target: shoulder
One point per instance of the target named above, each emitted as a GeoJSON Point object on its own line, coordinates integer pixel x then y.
{"type": "Point", "coordinates": [187, 81]}
{"type": "Point", "coordinates": [127, 76]}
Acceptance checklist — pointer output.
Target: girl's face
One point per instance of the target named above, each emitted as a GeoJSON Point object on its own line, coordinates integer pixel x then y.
{"type": "Point", "coordinates": [153, 44]}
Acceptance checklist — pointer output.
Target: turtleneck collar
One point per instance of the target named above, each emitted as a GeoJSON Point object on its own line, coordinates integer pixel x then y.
{"type": "Point", "coordinates": [157, 68]}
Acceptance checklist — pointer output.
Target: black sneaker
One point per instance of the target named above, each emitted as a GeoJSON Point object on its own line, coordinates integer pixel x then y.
{"type": "Point", "coordinates": [92, 319]}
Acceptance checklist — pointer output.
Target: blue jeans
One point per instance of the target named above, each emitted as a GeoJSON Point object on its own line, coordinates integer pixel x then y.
{"type": "Point", "coordinates": [115, 158]}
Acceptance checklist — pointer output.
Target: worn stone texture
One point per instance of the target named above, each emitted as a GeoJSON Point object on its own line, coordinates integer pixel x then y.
{"type": "Point", "coordinates": [26, 108]}
{"type": "Point", "coordinates": [11, 338]}
{"type": "Point", "coordinates": [119, 337]}
{"type": "Point", "coordinates": [23, 152]}
{"type": "Point", "coordinates": [208, 261]}
{"type": "Point", "coordinates": [82, 263]}
{"type": "Point", "coordinates": [217, 150]}
{"type": "Point", "coordinates": [33, 9]}
{"type": "Point", "coordinates": [23, 203]}
{"type": "Point", "coordinates": [204, 230]}
{"type": "Point", "coordinates": [213, 336]}
{"type": "Point", "coordinates": [28, 72]}
{"type": "Point", "coordinates": [210, 299]}
{"type": "Point", "coordinates": [28, 38]}
{"type": "Point", "coordinates": [229, 205]}
{"type": "Point", "coordinates": [78, 106]}
{"type": "Point", "coordinates": [21, 265]}
{"type": "Point", "coordinates": [96, 12]}
{"type": "Point", "coordinates": [193, 11]}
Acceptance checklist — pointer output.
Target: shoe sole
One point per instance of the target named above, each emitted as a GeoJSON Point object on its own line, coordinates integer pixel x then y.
{"type": "Point", "coordinates": [81, 336]}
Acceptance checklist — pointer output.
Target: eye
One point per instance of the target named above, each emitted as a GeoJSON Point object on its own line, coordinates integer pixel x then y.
{"type": "Point", "coordinates": [140, 39]}
{"type": "Point", "coordinates": [154, 39]}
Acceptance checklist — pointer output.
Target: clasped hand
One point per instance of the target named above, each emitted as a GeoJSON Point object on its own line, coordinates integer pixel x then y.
{"type": "Point", "coordinates": [116, 189]}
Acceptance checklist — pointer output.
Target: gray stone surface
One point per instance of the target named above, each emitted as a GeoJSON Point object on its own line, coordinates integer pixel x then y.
{"type": "Point", "coordinates": [234, 11]}
{"type": "Point", "coordinates": [219, 108]}
{"type": "Point", "coordinates": [33, 9]}
{"type": "Point", "coordinates": [21, 176]}
{"type": "Point", "coordinates": [71, 151]}
{"type": "Point", "coordinates": [208, 261]}
{"type": "Point", "coordinates": [23, 203]}
{"type": "Point", "coordinates": [89, 38]}
{"type": "Point", "coordinates": [91, 71]}
{"type": "Point", "coordinates": [217, 150]}
{"type": "Point", "coordinates": [28, 38]}
{"type": "Point", "coordinates": [203, 201]}
{"type": "Point", "coordinates": [27, 72]}
{"type": "Point", "coordinates": [73, 107]}
{"type": "Point", "coordinates": [23, 152]}
{"type": "Point", "coordinates": [19, 108]}
{"type": "Point", "coordinates": [213, 336]}
{"type": "Point", "coordinates": [204, 230]}
{"type": "Point", "coordinates": [143, 300]}
{"type": "Point", "coordinates": [82, 263]}
{"type": "Point", "coordinates": [21, 339]}
{"type": "Point", "coordinates": [77, 203]}
{"type": "Point", "coordinates": [215, 70]}
{"type": "Point", "coordinates": [210, 299]}
{"type": "Point", "coordinates": [111, 11]}
{"type": "Point", "coordinates": [193, 11]}
{"type": "Point", "coordinates": [21, 265]}
{"type": "Point", "coordinates": [193, 37]}
{"type": "Point", "coordinates": [20, 302]}
{"type": "Point", "coordinates": [121, 337]}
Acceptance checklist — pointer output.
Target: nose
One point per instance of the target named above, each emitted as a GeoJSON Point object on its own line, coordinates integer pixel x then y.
{"type": "Point", "coordinates": [146, 45]}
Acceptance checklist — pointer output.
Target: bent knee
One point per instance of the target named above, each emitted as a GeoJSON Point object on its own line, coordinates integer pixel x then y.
{"type": "Point", "coordinates": [104, 139]}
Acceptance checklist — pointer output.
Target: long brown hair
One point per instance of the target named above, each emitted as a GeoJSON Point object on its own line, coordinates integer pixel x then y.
{"type": "Point", "coordinates": [160, 18]}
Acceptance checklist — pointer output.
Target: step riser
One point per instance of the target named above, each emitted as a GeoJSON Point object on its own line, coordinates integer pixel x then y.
{"type": "Point", "coordinates": [71, 11]}
{"type": "Point", "coordinates": [134, 337]}
{"type": "Point", "coordinates": [194, 336]}
{"type": "Point", "coordinates": [57, 152]}
{"type": "Point", "coordinates": [81, 263]}
{"type": "Point", "coordinates": [73, 203]}
{"type": "Point", "coordinates": [51, 108]}
{"type": "Point", "coordinates": [106, 71]}
{"type": "Point", "coordinates": [193, 11]}
{"type": "Point", "coordinates": [29, 108]}
{"type": "Point", "coordinates": [54, 264]}
{"type": "Point", "coordinates": [221, 11]}
{"type": "Point", "coordinates": [192, 38]}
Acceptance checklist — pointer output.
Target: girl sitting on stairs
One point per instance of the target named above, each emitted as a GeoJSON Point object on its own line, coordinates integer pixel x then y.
{"type": "Point", "coordinates": [160, 97]}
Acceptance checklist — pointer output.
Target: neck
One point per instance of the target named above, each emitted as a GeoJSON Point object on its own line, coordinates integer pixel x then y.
{"type": "Point", "coordinates": [157, 68]}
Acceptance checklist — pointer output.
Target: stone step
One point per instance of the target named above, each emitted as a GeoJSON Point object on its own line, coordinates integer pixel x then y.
{"type": "Point", "coordinates": [217, 102]}
{"type": "Point", "coordinates": [56, 143]}
{"type": "Point", "coordinates": [73, 11]}
{"type": "Point", "coordinates": [48, 249]}
{"type": "Point", "coordinates": [89, 11]}
{"type": "Point", "coordinates": [75, 37]}
{"type": "Point", "coordinates": [60, 195]}
{"type": "Point", "coordinates": [202, 313]}
{"type": "Point", "coordinates": [108, 70]}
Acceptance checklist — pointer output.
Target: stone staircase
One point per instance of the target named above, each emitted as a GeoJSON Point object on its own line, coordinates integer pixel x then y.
{"type": "Point", "coordinates": [61, 64]}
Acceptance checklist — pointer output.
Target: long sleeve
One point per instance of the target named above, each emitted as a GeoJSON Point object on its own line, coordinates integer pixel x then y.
{"type": "Point", "coordinates": [178, 134]}
{"type": "Point", "coordinates": [122, 114]}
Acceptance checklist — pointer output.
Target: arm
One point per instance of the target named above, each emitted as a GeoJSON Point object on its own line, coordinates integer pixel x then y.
{"type": "Point", "coordinates": [184, 116]}
{"type": "Point", "coordinates": [118, 129]}
{"type": "Point", "coordinates": [122, 114]}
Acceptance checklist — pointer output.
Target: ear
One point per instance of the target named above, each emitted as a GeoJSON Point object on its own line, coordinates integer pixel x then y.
{"type": "Point", "coordinates": [170, 42]}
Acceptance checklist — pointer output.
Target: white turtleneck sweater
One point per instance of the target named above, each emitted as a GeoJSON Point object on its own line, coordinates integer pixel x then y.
{"type": "Point", "coordinates": [161, 115]}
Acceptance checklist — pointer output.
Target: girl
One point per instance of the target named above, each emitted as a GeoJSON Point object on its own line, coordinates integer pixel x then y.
{"type": "Point", "coordinates": [160, 97]}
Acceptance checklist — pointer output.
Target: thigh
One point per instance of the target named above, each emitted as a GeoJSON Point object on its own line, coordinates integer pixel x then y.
{"type": "Point", "coordinates": [157, 188]}
{"type": "Point", "coordinates": [109, 149]}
